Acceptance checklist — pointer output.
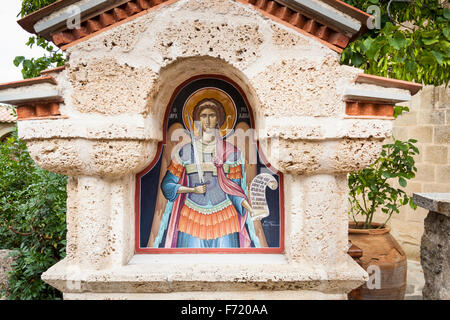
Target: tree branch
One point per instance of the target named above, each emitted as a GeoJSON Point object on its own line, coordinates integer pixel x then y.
{"type": "Point", "coordinates": [21, 233]}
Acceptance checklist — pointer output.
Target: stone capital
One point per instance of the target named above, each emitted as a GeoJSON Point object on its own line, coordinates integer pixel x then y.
{"type": "Point", "coordinates": [108, 147]}
{"type": "Point", "coordinates": [314, 145]}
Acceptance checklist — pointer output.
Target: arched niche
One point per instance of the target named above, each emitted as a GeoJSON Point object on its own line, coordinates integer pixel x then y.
{"type": "Point", "coordinates": [178, 72]}
{"type": "Point", "coordinates": [5, 131]}
{"type": "Point", "coordinates": [154, 210]}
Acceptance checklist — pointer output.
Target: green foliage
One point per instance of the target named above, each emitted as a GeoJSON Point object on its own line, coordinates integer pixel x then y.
{"type": "Point", "coordinates": [32, 200]}
{"type": "Point", "coordinates": [414, 47]}
{"type": "Point", "coordinates": [371, 188]}
{"type": "Point", "coordinates": [32, 220]}
{"type": "Point", "coordinates": [53, 58]}
{"type": "Point", "coordinates": [29, 6]}
{"type": "Point", "coordinates": [32, 67]}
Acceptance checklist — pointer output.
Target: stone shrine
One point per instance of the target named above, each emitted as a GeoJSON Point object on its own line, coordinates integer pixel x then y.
{"type": "Point", "coordinates": [139, 71]}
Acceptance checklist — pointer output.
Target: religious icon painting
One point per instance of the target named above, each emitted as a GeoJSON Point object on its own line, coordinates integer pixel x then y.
{"type": "Point", "coordinates": [209, 189]}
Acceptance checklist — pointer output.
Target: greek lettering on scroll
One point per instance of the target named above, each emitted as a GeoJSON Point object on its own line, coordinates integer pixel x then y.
{"type": "Point", "coordinates": [258, 194]}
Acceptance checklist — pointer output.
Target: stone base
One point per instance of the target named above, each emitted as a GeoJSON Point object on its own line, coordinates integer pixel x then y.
{"type": "Point", "coordinates": [5, 267]}
{"type": "Point", "coordinates": [435, 255]}
{"type": "Point", "coordinates": [415, 281]}
{"type": "Point", "coordinates": [210, 295]}
{"type": "Point", "coordinates": [435, 245]}
{"type": "Point", "coordinates": [185, 276]}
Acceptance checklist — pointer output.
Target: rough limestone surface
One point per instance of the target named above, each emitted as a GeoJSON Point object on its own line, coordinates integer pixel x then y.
{"type": "Point", "coordinates": [146, 274]}
{"type": "Point", "coordinates": [241, 50]}
{"type": "Point", "coordinates": [5, 267]}
{"type": "Point", "coordinates": [302, 87]}
{"type": "Point", "coordinates": [285, 39]}
{"type": "Point", "coordinates": [122, 127]}
{"type": "Point", "coordinates": [317, 225]}
{"type": "Point", "coordinates": [435, 253]}
{"type": "Point", "coordinates": [105, 158]}
{"type": "Point", "coordinates": [435, 245]}
{"type": "Point", "coordinates": [299, 156]}
{"type": "Point", "coordinates": [210, 295]}
{"type": "Point", "coordinates": [106, 87]}
{"type": "Point", "coordinates": [116, 88]}
{"type": "Point", "coordinates": [6, 129]}
{"type": "Point", "coordinates": [436, 202]}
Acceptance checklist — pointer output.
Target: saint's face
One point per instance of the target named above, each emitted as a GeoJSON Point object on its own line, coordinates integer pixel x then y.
{"type": "Point", "coordinates": [208, 118]}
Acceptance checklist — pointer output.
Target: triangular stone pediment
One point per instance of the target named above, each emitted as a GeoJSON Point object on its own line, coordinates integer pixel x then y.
{"type": "Point", "coordinates": [331, 22]}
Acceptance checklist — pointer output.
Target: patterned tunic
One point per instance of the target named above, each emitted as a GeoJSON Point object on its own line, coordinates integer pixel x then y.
{"type": "Point", "coordinates": [208, 220]}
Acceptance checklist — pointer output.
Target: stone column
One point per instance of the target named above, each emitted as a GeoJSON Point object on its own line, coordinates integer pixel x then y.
{"type": "Point", "coordinates": [317, 219]}
{"type": "Point", "coordinates": [105, 234]}
{"type": "Point", "coordinates": [435, 245]}
{"type": "Point", "coordinates": [315, 168]}
{"type": "Point", "coordinates": [316, 188]}
{"type": "Point", "coordinates": [101, 167]}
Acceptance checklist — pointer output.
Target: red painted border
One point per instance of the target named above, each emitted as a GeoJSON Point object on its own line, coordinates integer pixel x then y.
{"type": "Point", "coordinates": [137, 197]}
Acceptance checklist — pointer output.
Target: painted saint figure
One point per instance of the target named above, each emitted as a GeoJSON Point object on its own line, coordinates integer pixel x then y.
{"type": "Point", "coordinates": [206, 190]}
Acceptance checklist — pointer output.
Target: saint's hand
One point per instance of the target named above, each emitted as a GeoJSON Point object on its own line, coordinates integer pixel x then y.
{"type": "Point", "coordinates": [200, 189]}
{"type": "Point", "coordinates": [247, 206]}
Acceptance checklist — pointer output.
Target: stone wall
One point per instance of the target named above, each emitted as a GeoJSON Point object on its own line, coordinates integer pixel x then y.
{"type": "Point", "coordinates": [7, 121]}
{"type": "Point", "coordinates": [434, 256]}
{"type": "Point", "coordinates": [434, 249]}
{"type": "Point", "coordinates": [428, 122]}
{"type": "Point", "coordinates": [5, 267]}
{"type": "Point", "coordinates": [5, 129]}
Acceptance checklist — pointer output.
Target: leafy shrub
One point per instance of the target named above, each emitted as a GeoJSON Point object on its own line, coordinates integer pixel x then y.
{"type": "Point", "coordinates": [371, 188]}
{"type": "Point", "coordinates": [32, 220]}
{"type": "Point", "coordinates": [32, 67]}
{"type": "Point", "coordinates": [30, 6]}
{"type": "Point", "coordinates": [412, 44]}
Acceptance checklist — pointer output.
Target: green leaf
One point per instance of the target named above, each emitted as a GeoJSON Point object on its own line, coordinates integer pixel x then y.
{"type": "Point", "coordinates": [427, 59]}
{"type": "Point", "coordinates": [447, 13]}
{"type": "Point", "coordinates": [398, 41]}
{"type": "Point", "coordinates": [367, 43]}
{"type": "Point", "coordinates": [438, 57]}
{"type": "Point", "coordinates": [402, 182]}
{"type": "Point", "coordinates": [398, 110]}
{"type": "Point", "coordinates": [386, 174]}
{"type": "Point", "coordinates": [446, 32]}
{"type": "Point", "coordinates": [430, 41]}
{"type": "Point", "coordinates": [357, 59]}
{"type": "Point", "coordinates": [374, 48]}
{"type": "Point", "coordinates": [410, 66]}
{"type": "Point", "coordinates": [18, 60]}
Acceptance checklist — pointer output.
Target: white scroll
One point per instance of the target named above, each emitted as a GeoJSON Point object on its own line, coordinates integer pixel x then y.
{"type": "Point", "coordinates": [258, 194]}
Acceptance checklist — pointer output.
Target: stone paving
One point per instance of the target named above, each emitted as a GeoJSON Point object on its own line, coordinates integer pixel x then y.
{"type": "Point", "coordinates": [415, 281]}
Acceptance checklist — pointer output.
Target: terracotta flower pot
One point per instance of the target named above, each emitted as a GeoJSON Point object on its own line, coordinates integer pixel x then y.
{"type": "Point", "coordinates": [384, 260]}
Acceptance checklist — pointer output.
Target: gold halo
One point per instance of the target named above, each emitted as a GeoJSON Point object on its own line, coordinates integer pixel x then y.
{"type": "Point", "coordinates": [211, 93]}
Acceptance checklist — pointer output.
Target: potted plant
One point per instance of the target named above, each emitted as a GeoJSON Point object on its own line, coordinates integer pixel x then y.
{"type": "Point", "coordinates": [373, 189]}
